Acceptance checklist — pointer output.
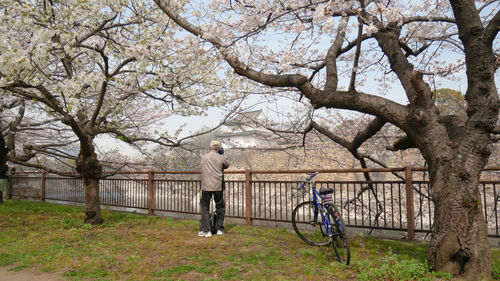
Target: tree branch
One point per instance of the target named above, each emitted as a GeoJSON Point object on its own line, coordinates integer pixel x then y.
{"type": "Point", "coordinates": [492, 28]}
{"type": "Point", "coordinates": [331, 57]}
{"type": "Point", "coordinates": [354, 71]}
{"type": "Point", "coordinates": [391, 111]}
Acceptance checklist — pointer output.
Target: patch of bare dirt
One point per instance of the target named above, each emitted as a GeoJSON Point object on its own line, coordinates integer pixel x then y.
{"type": "Point", "coordinates": [28, 274]}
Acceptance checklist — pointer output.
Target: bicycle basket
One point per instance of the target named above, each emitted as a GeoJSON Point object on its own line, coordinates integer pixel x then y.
{"type": "Point", "coordinates": [328, 198]}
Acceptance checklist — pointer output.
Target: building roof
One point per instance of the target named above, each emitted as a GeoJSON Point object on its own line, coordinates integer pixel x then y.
{"type": "Point", "coordinates": [248, 118]}
{"type": "Point", "coordinates": [246, 125]}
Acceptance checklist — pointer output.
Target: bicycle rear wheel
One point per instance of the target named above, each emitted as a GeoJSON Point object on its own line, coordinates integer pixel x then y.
{"type": "Point", "coordinates": [340, 241]}
{"type": "Point", "coordinates": [307, 228]}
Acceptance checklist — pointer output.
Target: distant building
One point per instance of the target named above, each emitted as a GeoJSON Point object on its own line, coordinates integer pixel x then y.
{"type": "Point", "coordinates": [247, 130]}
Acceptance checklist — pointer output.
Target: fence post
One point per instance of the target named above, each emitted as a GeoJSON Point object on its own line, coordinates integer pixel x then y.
{"type": "Point", "coordinates": [151, 193]}
{"type": "Point", "coordinates": [248, 196]}
{"type": "Point", "coordinates": [42, 195]}
{"type": "Point", "coordinates": [410, 221]}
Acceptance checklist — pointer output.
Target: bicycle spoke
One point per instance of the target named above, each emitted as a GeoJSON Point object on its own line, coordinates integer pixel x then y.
{"type": "Point", "coordinates": [311, 231]}
{"type": "Point", "coordinates": [340, 243]}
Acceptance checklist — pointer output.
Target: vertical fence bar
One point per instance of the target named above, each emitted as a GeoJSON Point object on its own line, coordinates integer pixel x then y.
{"type": "Point", "coordinates": [410, 223]}
{"type": "Point", "coordinates": [11, 179]}
{"type": "Point", "coordinates": [496, 212]}
{"type": "Point", "coordinates": [151, 194]}
{"type": "Point", "coordinates": [248, 196]}
{"type": "Point", "coordinates": [496, 203]}
{"type": "Point", "coordinates": [42, 194]}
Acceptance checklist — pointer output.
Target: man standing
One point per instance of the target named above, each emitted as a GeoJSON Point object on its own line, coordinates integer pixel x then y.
{"type": "Point", "coordinates": [212, 165]}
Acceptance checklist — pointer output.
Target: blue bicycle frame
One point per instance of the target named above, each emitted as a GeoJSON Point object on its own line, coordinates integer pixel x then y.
{"type": "Point", "coordinates": [318, 208]}
{"type": "Point", "coordinates": [331, 225]}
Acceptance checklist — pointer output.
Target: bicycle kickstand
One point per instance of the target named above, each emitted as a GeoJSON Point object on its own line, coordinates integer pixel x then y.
{"type": "Point", "coordinates": [330, 243]}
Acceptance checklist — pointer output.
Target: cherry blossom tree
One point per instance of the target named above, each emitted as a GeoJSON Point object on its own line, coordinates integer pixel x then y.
{"type": "Point", "coordinates": [104, 67]}
{"type": "Point", "coordinates": [346, 54]}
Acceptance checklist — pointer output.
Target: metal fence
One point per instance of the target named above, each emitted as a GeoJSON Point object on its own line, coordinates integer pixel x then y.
{"type": "Point", "coordinates": [395, 203]}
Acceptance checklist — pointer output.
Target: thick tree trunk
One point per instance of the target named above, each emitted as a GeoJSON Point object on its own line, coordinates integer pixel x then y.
{"type": "Point", "coordinates": [92, 201]}
{"type": "Point", "coordinates": [90, 170]}
{"type": "Point", "coordinates": [459, 242]}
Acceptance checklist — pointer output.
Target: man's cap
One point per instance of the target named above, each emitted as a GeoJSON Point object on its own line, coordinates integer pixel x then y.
{"type": "Point", "coordinates": [215, 144]}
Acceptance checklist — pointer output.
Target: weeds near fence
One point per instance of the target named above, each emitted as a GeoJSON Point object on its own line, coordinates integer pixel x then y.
{"type": "Point", "coordinates": [53, 238]}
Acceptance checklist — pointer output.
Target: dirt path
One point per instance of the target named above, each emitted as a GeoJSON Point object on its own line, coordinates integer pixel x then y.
{"type": "Point", "coordinates": [27, 274]}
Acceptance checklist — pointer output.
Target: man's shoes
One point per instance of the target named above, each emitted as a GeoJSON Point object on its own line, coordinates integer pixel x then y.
{"type": "Point", "coordinates": [204, 234]}
{"type": "Point", "coordinates": [220, 232]}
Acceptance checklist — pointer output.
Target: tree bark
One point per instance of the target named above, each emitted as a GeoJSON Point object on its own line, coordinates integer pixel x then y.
{"type": "Point", "coordinates": [90, 170]}
{"type": "Point", "coordinates": [460, 239]}
{"type": "Point", "coordinates": [459, 243]}
{"type": "Point", "coordinates": [92, 206]}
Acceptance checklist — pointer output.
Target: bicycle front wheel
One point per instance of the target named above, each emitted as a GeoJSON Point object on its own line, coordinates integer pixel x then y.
{"type": "Point", "coordinates": [340, 241]}
{"type": "Point", "coordinates": [309, 229]}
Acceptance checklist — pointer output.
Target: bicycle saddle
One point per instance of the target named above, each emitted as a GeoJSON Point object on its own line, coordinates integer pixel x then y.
{"type": "Point", "coordinates": [324, 190]}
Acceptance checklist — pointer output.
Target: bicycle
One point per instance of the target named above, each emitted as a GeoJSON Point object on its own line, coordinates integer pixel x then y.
{"type": "Point", "coordinates": [330, 230]}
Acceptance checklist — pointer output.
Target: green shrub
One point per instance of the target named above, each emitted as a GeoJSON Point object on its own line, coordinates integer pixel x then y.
{"type": "Point", "coordinates": [392, 268]}
{"type": "Point", "coordinates": [361, 265]}
{"type": "Point", "coordinates": [443, 275]}
{"type": "Point", "coordinates": [409, 269]}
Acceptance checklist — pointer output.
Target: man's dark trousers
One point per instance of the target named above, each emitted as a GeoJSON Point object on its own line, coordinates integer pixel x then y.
{"type": "Point", "coordinates": [220, 208]}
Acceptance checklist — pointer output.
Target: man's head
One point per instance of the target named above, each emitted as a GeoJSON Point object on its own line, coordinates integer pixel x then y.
{"type": "Point", "coordinates": [215, 145]}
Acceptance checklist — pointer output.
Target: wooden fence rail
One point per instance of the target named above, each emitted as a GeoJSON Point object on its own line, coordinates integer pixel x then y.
{"type": "Point", "coordinates": [401, 203]}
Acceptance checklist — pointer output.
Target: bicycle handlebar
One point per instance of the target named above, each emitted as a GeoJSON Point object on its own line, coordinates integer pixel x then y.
{"type": "Point", "coordinates": [311, 176]}
{"type": "Point", "coordinates": [308, 179]}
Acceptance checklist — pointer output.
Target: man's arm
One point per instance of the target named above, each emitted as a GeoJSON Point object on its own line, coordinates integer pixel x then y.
{"type": "Point", "coordinates": [225, 163]}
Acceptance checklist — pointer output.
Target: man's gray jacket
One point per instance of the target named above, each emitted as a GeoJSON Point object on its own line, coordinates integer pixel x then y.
{"type": "Point", "coordinates": [212, 165]}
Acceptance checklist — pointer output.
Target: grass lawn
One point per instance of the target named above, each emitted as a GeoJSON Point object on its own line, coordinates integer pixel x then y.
{"type": "Point", "coordinates": [53, 238]}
